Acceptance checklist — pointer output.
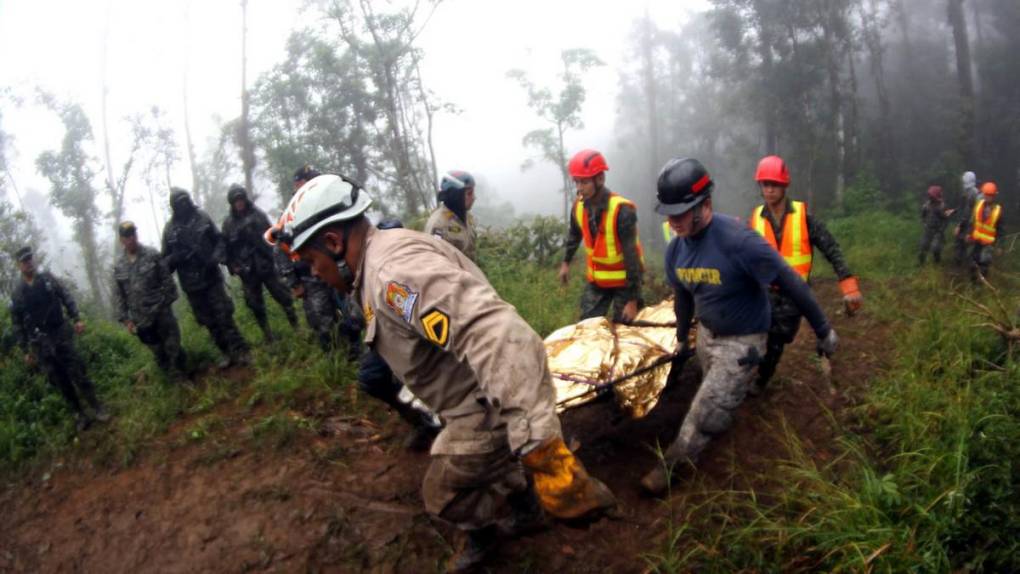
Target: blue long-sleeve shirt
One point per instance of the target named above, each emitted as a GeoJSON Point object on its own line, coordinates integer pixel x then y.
{"type": "Point", "coordinates": [722, 275]}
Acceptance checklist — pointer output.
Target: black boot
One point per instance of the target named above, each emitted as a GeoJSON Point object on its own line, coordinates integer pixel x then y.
{"type": "Point", "coordinates": [478, 546]}
{"type": "Point", "coordinates": [291, 317]}
{"type": "Point", "coordinates": [526, 514]}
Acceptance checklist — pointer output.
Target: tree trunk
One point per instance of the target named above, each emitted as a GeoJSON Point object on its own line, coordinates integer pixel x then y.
{"type": "Point", "coordinates": [651, 95]}
{"type": "Point", "coordinates": [886, 152]}
{"type": "Point", "coordinates": [110, 185]}
{"type": "Point", "coordinates": [965, 80]}
{"type": "Point", "coordinates": [247, 151]}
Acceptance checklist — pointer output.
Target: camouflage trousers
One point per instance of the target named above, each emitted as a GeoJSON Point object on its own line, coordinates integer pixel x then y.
{"type": "Point", "coordinates": [163, 337]}
{"type": "Point", "coordinates": [471, 491]}
{"type": "Point", "coordinates": [728, 365]}
{"type": "Point", "coordinates": [595, 301]}
{"type": "Point", "coordinates": [931, 242]}
{"type": "Point", "coordinates": [253, 297]}
{"type": "Point", "coordinates": [64, 368]}
{"type": "Point", "coordinates": [960, 248]}
{"type": "Point", "coordinates": [980, 261]}
{"type": "Point", "coordinates": [214, 310]}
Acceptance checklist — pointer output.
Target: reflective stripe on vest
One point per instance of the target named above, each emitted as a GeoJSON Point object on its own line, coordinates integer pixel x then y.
{"type": "Point", "coordinates": [796, 248]}
{"type": "Point", "coordinates": [984, 230]}
{"type": "Point", "coordinates": [667, 232]}
{"type": "Point", "coordinates": [604, 256]}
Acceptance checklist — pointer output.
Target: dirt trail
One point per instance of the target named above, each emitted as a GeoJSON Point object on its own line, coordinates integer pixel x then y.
{"type": "Point", "coordinates": [347, 500]}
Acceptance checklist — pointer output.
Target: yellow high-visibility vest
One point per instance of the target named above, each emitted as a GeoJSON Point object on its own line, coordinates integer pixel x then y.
{"type": "Point", "coordinates": [796, 247]}
{"type": "Point", "coordinates": [984, 229]}
{"type": "Point", "coordinates": [604, 256]}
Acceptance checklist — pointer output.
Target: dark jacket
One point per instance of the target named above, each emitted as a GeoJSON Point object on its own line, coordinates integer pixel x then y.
{"type": "Point", "coordinates": [37, 310]}
{"type": "Point", "coordinates": [247, 252]}
{"type": "Point", "coordinates": [194, 248]}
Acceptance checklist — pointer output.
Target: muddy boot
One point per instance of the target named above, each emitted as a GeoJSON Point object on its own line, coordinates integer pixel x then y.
{"type": "Point", "coordinates": [101, 414]}
{"type": "Point", "coordinates": [82, 421]}
{"type": "Point", "coordinates": [665, 473]}
{"type": "Point", "coordinates": [478, 546]}
{"type": "Point", "coordinates": [97, 407]}
{"type": "Point", "coordinates": [526, 514]}
{"type": "Point", "coordinates": [267, 333]}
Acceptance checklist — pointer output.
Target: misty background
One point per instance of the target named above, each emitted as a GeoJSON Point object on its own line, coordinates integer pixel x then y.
{"type": "Point", "coordinates": [106, 104]}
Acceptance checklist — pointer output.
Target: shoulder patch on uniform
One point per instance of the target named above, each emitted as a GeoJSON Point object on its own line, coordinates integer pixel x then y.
{"type": "Point", "coordinates": [454, 228]}
{"type": "Point", "coordinates": [437, 327]}
{"type": "Point", "coordinates": [401, 299]}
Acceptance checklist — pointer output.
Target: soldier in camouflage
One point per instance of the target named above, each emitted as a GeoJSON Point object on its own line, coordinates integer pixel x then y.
{"type": "Point", "coordinates": [934, 217]}
{"type": "Point", "coordinates": [251, 258]}
{"type": "Point", "coordinates": [194, 248]}
{"type": "Point", "coordinates": [37, 316]}
{"type": "Point", "coordinates": [144, 292]}
{"type": "Point", "coordinates": [327, 312]}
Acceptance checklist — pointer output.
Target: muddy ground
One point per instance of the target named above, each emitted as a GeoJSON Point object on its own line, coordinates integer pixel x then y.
{"type": "Point", "coordinates": [345, 498]}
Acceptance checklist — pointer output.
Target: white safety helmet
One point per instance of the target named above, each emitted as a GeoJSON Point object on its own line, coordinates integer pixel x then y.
{"type": "Point", "coordinates": [319, 202]}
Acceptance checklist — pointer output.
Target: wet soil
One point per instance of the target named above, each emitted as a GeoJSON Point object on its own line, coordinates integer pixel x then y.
{"type": "Point", "coordinates": [345, 498]}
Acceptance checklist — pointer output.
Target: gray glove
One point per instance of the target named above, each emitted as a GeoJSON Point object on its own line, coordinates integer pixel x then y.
{"type": "Point", "coordinates": [827, 345]}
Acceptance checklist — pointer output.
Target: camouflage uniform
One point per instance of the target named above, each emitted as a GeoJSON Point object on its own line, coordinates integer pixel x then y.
{"type": "Point", "coordinates": [444, 224]}
{"type": "Point", "coordinates": [193, 247]}
{"type": "Point", "coordinates": [934, 218]}
{"type": "Point", "coordinates": [965, 213]}
{"type": "Point", "coordinates": [595, 300]}
{"type": "Point", "coordinates": [727, 366]}
{"type": "Point", "coordinates": [785, 314]}
{"type": "Point", "coordinates": [251, 258]}
{"type": "Point", "coordinates": [143, 292]}
{"type": "Point", "coordinates": [323, 309]}
{"type": "Point", "coordinates": [37, 318]}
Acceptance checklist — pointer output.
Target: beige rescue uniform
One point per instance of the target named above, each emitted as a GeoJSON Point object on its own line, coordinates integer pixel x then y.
{"type": "Point", "coordinates": [435, 319]}
{"type": "Point", "coordinates": [445, 225]}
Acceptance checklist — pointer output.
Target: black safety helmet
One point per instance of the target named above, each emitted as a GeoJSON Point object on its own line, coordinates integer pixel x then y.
{"type": "Point", "coordinates": [683, 184]}
{"type": "Point", "coordinates": [236, 192]}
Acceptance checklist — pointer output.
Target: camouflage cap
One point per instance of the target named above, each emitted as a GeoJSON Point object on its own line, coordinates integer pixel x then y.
{"type": "Point", "coordinates": [127, 229]}
{"type": "Point", "coordinates": [23, 254]}
{"type": "Point", "coordinates": [306, 173]}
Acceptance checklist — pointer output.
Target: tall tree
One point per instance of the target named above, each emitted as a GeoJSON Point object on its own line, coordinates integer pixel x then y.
{"type": "Point", "coordinates": [244, 127]}
{"type": "Point", "coordinates": [384, 42]}
{"type": "Point", "coordinates": [71, 174]}
{"type": "Point", "coordinates": [965, 80]}
{"type": "Point", "coordinates": [561, 111]}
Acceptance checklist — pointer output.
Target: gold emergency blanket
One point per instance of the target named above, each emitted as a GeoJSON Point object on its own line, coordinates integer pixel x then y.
{"type": "Point", "coordinates": [595, 351]}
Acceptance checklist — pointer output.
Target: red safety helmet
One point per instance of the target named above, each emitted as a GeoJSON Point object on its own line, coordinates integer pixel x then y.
{"type": "Point", "coordinates": [935, 192]}
{"type": "Point", "coordinates": [989, 189]}
{"type": "Point", "coordinates": [772, 168]}
{"type": "Point", "coordinates": [587, 163]}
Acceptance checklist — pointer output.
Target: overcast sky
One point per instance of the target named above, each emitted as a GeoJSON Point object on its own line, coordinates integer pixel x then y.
{"type": "Point", "coordinates": [469, 46]}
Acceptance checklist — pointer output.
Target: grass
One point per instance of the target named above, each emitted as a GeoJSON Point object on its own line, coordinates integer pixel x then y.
{"type": "Point", "coordinates": [925, 479]}
{"type": "Point", "coordinates": [927, 482]}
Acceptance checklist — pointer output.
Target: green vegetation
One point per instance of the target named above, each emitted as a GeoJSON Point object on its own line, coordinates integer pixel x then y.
{"type": "Point", "coordinates": [926, 479]}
